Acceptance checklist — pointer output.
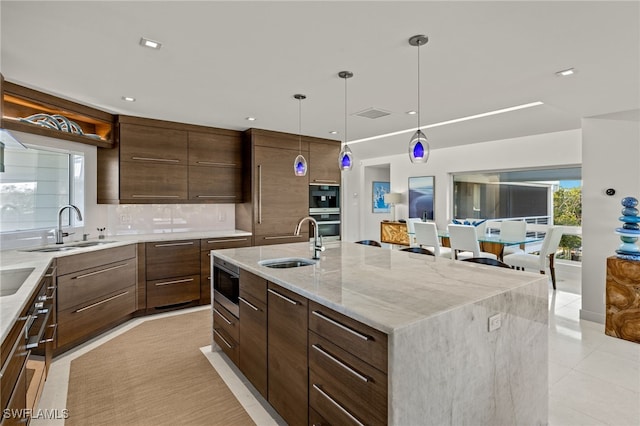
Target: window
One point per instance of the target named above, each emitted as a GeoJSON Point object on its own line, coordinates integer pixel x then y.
{"type": "Point", "coordinates": [35, 184]}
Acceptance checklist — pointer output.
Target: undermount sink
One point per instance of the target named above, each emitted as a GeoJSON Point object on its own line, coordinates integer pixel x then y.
{"type": "Point", "coordinates": [12, 279]}
{"type": "Point", "coordinates": [70, 247]}
{"type": "Point", "coordinates": [92, 243]}
{"type": "Point", "coordinates": [287, 262]}
{"type": "Point", "coordinates": [50, 249]}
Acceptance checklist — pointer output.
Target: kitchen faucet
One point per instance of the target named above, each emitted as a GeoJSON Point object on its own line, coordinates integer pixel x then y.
{"type": "Point", "coordinates": [59, 233]}
{"type": "Point", "coordinates": [317, 247]}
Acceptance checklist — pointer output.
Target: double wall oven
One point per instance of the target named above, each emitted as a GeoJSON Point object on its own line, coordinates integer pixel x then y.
{"type": "Point", "coordinates": [324, 207]}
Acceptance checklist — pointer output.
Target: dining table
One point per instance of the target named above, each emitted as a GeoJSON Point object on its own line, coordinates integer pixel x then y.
{"type": "Point", "coordinates": [492, 243]}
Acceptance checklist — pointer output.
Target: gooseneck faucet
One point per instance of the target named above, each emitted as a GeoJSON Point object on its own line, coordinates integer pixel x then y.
{"type": "Point", "coordinates": [59, 233]}
{"type": "Point", "coordinates": [317, 238]}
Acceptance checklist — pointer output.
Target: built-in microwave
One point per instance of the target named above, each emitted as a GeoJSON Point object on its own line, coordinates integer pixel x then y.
{"type": "Point", "coordinates": [323, 198]}
{"type": "Point", "coordinates": [226, 285]}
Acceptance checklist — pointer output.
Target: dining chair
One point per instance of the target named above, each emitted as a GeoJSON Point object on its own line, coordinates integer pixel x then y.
{"type": "Point", "coordinates": [464, 242]}
{"type": "Point", "coordinates": [481, 228]}
{"type": "Point", "coordinates": [513, 230]}
{"type": "Point", "coordinates": [487, 261]}
{"type": "Point", "coordinates": [418, 250]}
{"type": "Point", "coordinates": [427, 236]}
{"type": "Point", "coordinates": [411, 229]}
{"type": "Point", "coordinates": [540, 261]}
{"type": "Point", "coordinates": [369, 243]}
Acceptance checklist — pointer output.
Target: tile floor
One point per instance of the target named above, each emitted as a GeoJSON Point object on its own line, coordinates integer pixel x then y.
{"type": "Point", "coordinates": [594, 379]}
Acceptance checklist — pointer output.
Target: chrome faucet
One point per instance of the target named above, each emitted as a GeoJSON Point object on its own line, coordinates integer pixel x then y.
{"type": "Point", "coordinates": [59, 233]}
{"type": "Point", "coordinates": [317, 245]}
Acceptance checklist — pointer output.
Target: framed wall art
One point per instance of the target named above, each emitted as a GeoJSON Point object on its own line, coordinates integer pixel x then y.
{"type": "Point", "coordinates": [378, 191]}
{"type": "Point", "coordinates": [421, 197]}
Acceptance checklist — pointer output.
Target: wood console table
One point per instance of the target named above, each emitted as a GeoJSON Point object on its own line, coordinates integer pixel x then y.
{"type": "Point", "coordinates": [623, 299]}
{"type": "Point", "coordinates": [394, 233]}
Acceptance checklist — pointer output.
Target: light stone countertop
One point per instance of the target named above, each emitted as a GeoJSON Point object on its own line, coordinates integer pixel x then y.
{"type": "Point", "coordinates": [386, 289]}
{"type": "Point", "coordinates": [12, 305]}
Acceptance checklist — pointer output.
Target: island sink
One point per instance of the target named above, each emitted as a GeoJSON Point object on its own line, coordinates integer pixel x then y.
{"type": "Point", "coordinates": [12, 279]}
{"type": "Point", "coordinates": [289, 262]}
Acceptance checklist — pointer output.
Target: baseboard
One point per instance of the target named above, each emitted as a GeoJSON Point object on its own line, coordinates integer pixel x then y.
{"type": "Point", "coordinates": [592, 316]}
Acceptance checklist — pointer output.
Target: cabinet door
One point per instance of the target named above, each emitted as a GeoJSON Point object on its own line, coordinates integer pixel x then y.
{"type": "Point", "coordinates": [215, 184]}
{"type": "Point", "coordinates": [213, 149]}
{"type": "Point", "coordinates": [323, 163]}
{"type": "Point", "coordinates": [149, 182]}
{"type": "Point", "coordinates": [253, 329]}
{"type": "Point", "coordinates": [139, 143]}
{"type": "Point", "coordinates": [287, 354]}
{"type": "Point", "coordinates": [282, 198]}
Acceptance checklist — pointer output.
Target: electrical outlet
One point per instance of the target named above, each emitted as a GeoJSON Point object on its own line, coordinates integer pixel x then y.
{"type": "Point", "coordinates": [125, 218]}
{"type": "Point", "coordinates": [222, 216]}
{"type": "Point", "coordinates": [495, 322]}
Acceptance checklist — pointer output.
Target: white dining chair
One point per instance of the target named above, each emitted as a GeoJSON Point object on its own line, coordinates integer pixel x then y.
{"type": "Point", "coordinates": [464, 242]}
{"type": "Point", "coordinates": [481, 228]}
{"type": "Point", "coordinates": [427, 236]}
{"type": "Point", "coordinates": [411, 230]}
{"type": "Point", "coordinates": [512, 230]}
{"type": "Point", "coordinates": [540, 261]}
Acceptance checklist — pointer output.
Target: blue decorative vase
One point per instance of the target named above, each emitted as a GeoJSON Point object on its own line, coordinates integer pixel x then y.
{"type": "Point", "coordinates": [630, 230]}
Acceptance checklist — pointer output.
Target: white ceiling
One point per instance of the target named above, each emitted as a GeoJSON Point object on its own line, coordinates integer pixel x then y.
{"type": "Point", "coordinates": [223, 61]}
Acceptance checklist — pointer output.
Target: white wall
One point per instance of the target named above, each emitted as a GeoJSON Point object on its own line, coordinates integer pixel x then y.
{"type": "Point", "coordinates": [537, 151]}
{"type": "Point", "coordinates": [611, 159]}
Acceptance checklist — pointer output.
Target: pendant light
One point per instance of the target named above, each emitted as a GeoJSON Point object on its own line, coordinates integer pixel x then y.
{"type": "Point", "coordinates": [345, 159]}
{"type": "Point", "coordinates": [418, 146]}
{"type": "Point", "coordinates": [300, 164]}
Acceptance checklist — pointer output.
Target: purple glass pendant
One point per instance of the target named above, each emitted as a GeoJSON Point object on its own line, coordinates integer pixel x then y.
{"type": "Point", "coordinates": [345, 159]}
{"type": "Point", "coordinates": [419, 148]}
{"type": "Point", "coordinates": [300, 166]}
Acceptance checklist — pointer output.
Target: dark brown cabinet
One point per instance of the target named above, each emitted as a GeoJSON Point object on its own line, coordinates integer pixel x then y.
{"type": "Point", "coordinates": [226, 331]}
{"type": "Point", "coordinates": [287, 354]}
{"type": "Point", "coordinates": [253, 330]}
{"type": "Point", "coordinates": [159, 161]}
{"type": "Point", "coordinates": [172, 273]}
{"type": "Point", "coordinates": [323, 163]}
{"type": "Point", "coordinates": [96, 290]}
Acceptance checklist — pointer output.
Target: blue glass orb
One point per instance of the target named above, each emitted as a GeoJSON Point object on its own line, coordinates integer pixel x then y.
{"type": "Point", "coordinates": [630, 211]}
{"type": "Point", "coordinates": [345, 159]}
{"type": "Point", "coordinates": [631, 226]}
{"type": "Point", "coordinates": [419, 148]}
{"type": "Point", "coordinates": [300, 166]}
{"type": "Point", "coordinates": [629, 202]}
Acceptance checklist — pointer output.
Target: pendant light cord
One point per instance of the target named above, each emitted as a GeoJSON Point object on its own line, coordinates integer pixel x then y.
{"type": "Point", "coordinates": [345, 111]}
{"type": "Point", "coordinates": [419, 44]}
{"type": "Point", "coordinates": [300, 126]}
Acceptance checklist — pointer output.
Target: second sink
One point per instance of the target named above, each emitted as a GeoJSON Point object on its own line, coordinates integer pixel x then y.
{"type": "Point", "coordinates": [287, 262]}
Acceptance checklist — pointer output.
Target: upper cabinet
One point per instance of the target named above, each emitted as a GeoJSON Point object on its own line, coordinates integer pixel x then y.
{"type": "Point", "coordinates": [164, 162]}
{"type": "Point", "coordinates": [30, 111]}
{"type": "Point", "coordinates": [323, 163]}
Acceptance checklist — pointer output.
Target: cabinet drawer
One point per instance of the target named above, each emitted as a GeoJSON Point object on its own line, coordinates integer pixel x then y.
{"type": "Point", "coordinates": [79, 287]}
{"type": "Point", "coordinates": [15, 360]}
{"type": "Point", "coordinates": [17, 404]}
{"type": "Point", "coordinates": [77, 323]}
{"type": "Point", "coordinates": [225, 242]}
{"type": "Point", "coordinates": [167, 259]}
{"type": "Point", "coordinates": [227, 321]}
{"type": "Point", "coordinates": [152, 182]}
{"type": "Point", "coordinates": [265, 240]}
{"type": "Point", "coordinates": [215, 184]}
{"type": "Point", "coordinates": [140, 144]}
{"type": "Point", "coordinates": [365, 342]}
{"type": "Point", "coordinates": [171, 291]}
{"type": "Point", "coordinates": [226, 343]}
{"type": "Point", "coordinates": [315, 419]}
{"type": "Point", "coordinates": [79, 262]}
{"type": "Point", "coordinates": [355, 384]}
{"type": "Point", "coordinates": [253, 287]}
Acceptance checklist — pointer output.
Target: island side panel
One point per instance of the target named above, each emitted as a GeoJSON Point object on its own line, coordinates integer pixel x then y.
{"type": "Point", "coordinates": [449, 369]}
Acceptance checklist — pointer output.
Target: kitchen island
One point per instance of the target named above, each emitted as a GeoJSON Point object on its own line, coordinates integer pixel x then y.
{"type": "Point", "coordinates": [444, 366]}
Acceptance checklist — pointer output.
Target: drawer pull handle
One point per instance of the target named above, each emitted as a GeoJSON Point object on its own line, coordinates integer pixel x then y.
{"type": "Point", "coordinates": [342, 326]}
{"type": "Point", "coordinates": [340, 363]}
{"type": "Point", "coordinates": [278, 237]}
{"type": "Point", "coordinates": [222, 316]}
{"type": "Point", "coordinates": [93, 305]}
{"type": "Point", "coordinates": [215, 196]}
{"type": "Point", "coordinates": [222, 338]}
{"type": "Point", "coordinates": [293, 302]}
{"type": "Point", "coordinates": [211, 163]}
{"type": "Point", "coordinates": [190, 243]}
{"type": "Point", "coordinates": [52, 273]}
{"type": "Point", "coordinates": [339, 406]}
{"type": "Point", "coordinates": [53, 334]}
{"type": "Point", "coordinates": [100, 271]}
{"type": "Point", "coordinates": [249, 304]}
{"type": "Point", "coordinates": [325, 180]}
{"type": "Point", "coordinates": [154, 196]}
{"type": "Point", "coordinates": [186, 280]}
{"type": "Point", "coordinates": [164, 160]}
{"type": "Point", "coordinates": [228, 240]}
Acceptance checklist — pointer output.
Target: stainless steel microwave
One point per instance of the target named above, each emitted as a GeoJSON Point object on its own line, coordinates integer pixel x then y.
{"type": "Point", "coordinates": [324, 198]}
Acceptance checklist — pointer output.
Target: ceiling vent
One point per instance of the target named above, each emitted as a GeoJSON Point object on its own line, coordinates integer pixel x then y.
{"type": "Point", "coordinates": [372, 113]}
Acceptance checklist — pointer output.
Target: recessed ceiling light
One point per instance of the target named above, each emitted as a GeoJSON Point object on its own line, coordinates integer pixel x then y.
{"type": "Point", "coordinates": [250, 119]}
{"type": "Point", "coordinates": [333, 132]}
{"type": "Point", "coordinates": [128, 99]}
{"type": "Point", "coordinates": [412, 112]}
{"type": "Point", "coordinates": [564, 73]}
{"type": "Point", "coordinates": [150, 43]}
